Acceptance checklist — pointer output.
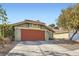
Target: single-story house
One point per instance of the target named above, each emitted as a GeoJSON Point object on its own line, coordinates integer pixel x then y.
{"type": "Point", "coordinates": [64, 34]}
{"type": "Point", "coordinates": [60, 34]}
{"type": "Point", "coordinates": [29, 30]}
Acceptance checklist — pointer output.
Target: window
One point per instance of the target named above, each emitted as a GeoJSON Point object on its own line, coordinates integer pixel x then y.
{"type": "Point", "coordinates": [29, 25]}
{"type": "Point", "coordinates": [42, 27]}
{"type": "Point", "coordinates": [36, 26]}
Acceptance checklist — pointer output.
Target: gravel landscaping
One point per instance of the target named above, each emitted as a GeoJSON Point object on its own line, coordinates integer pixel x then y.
{"type": "Point", "coordinates": [7, 48]}
{"type": "Point", "coordinates": [71, 45]}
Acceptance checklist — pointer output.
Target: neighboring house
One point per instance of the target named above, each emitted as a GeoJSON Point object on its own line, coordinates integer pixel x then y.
{"type": "Point", "coordinates": [60, 34]}
{"type": "Point", "coordinates": [64, 34]}
{"type": "Point", "coordinates": [29, 30]}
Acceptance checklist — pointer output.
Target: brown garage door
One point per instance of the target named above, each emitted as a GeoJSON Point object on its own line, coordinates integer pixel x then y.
{"type": "Point", "coordinates": [32, 35]}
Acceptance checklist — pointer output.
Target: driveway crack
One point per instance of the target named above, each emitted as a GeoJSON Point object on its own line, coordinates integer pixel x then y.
{"type": "Point", "coordinates": [42, 51]}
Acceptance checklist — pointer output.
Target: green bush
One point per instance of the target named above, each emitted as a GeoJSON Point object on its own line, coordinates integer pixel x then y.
{"type": "Point", "coordinates": [7, 31]}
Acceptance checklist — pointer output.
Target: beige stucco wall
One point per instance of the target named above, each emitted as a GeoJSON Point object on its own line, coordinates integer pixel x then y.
{"type": "Point", "coordinates": [17, 34]}
{"type": "Point", "coordinates": [46, 35]}
{"type": "Point", "coordinates": [61, 36]}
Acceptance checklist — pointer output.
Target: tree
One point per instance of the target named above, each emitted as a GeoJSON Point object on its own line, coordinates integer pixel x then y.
{"type": "Point", "coordinates": [56, 27]}
{"type": "Point", "coordinates": [69, 19]}
{"type": "Point", "coordinates": [3, 18]}
{"type": "Point", "coordinates": [52, 25]}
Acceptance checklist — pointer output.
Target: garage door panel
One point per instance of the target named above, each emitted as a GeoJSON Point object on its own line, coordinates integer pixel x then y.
{"type": "Point", "coordinates": [32, 35]}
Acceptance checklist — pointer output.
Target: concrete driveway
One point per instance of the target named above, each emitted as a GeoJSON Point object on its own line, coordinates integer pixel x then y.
{"type": "Point", "coordinates": [39, 48]}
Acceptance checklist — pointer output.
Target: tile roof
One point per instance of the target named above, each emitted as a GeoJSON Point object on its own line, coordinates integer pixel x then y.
{"type": "Point", "coordinates": [30, 21]}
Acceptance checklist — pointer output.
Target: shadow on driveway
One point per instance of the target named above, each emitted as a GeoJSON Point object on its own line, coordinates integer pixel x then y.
{"type": "Point", "coordinates": [57, 41]}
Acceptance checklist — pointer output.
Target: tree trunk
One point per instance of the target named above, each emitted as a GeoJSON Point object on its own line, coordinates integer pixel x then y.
{"type": "Point", "coordinates": [74, 34]}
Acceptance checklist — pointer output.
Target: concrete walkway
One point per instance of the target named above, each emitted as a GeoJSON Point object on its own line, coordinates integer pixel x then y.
{"type": "Point", "coordinates": [40, 48]}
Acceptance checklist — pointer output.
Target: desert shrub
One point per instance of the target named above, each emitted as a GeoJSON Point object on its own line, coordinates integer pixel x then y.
{"type": "Point", "coordinates": [7, 31]}
{"type": "Point", "coordinates": [1, 42]}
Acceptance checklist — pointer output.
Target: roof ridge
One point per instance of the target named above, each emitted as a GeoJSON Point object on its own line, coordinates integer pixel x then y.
{"type": "Point", "coordinates": [34, 21]}
{"type": "Point", "coordinates": [30, 21]}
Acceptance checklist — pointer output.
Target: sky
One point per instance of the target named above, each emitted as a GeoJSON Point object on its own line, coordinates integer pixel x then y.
{"type": "Point", "coordinates": [45, 12]}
